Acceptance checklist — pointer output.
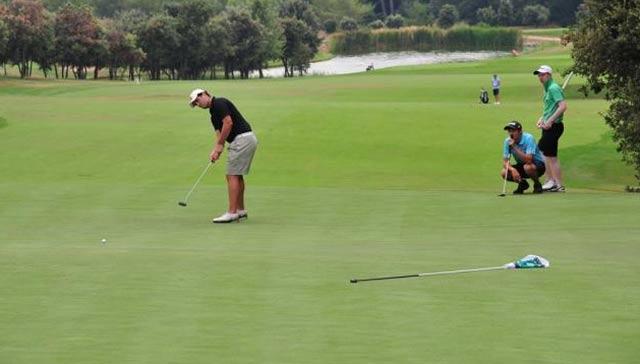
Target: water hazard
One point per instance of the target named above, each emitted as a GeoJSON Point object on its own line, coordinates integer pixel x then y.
{"type": "Point", "coordinates": [354, 64]}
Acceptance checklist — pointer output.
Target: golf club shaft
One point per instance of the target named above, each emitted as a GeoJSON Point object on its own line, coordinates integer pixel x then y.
{"type": "Point", "coordinates": [460, 271]}
{"type": "Point", "coordinates": [506, 174]}
{"type": "Point", "coordinates": [385, 278]}
{"type": "Point", "coordinates": [566, 82]}
{"type": "Point", "coordinates": [428, 274]}
{"type": "Point", "coordinates": [209, 164]}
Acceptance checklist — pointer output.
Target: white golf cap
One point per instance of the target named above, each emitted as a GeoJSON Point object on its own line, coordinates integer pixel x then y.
{"type": "Point", "coordinates": [543, 69]}
{"type": "Point", "coordinates": [194, 95]}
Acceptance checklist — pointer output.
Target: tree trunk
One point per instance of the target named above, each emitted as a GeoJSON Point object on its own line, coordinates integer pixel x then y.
{"type": "Point", "coordinates": [384, 7]}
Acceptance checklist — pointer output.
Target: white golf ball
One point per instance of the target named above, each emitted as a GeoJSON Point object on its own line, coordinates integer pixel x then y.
{"type": "Point", "coordinates": [104, 241]}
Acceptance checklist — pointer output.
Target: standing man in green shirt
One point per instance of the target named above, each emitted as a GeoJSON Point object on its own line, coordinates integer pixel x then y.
{"type": "Point", "coordinates": [552, 127]}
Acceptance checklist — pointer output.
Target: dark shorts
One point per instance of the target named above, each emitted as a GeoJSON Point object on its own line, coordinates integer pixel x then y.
{"type": "Point", "coordinates": [520, 168]}
{"type": "Point", "coordinates": [496, 91]}
{"type": "Point", "coordinates": [548, 143]}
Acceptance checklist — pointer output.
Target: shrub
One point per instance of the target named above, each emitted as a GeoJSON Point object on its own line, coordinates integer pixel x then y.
{"type": "Point", "coordinates": [394, 21]}
{"type": "Point", "coordinates": [448, 16]}
{"type": "Point", "coordinates": [376, 24]}
{"type": "Point", "coordinates": [330, 26]}
{"type": "Point", "coordinates": [348, 24]}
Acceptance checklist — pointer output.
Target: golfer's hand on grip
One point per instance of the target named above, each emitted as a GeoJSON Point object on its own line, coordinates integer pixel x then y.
{"type": "Point", "coordinates": [216, 152]}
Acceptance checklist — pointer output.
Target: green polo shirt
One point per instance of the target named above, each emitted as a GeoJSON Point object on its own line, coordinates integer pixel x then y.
{"type": "Point", "coordinates": [552, 96]}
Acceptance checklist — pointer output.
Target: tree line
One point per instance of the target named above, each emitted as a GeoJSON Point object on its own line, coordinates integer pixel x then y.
{"type": "Point", "coordinates": [194, 39]}
{"type": "Point", "coordinates": [491, 12]}
{"type": "Point", "coordinates": [186, 40]}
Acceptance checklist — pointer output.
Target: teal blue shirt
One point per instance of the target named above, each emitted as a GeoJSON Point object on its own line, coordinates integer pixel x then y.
{"type": "Point", "coordinates": [552, 96]}
{"type": "Point", "coordinates": [527, 145]}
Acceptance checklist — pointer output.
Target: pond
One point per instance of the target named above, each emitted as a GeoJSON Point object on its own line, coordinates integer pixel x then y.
{"type": "Point", "coordinates": [354, 64]}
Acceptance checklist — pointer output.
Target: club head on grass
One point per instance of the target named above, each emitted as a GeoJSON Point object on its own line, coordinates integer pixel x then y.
{"type": "Point", "coordinates": [182, 203]}
{"type": "Point", "coordinates": [501, 195]}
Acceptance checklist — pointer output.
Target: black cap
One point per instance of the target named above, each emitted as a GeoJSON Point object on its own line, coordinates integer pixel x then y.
{"type": "Point", "coordinates": [513, 125]}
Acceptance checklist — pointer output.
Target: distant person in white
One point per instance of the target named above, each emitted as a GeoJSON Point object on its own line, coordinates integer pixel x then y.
{"type": "Point", "coordinates": [495, 83]}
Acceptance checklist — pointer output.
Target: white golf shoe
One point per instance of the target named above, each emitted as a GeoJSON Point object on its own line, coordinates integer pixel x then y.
{"type": "Point", "coordinates": [550, 184]}
{"type": "Point", "coordinates": [242, 214]}
{"type": "Point", "coordinates": [226, 217]}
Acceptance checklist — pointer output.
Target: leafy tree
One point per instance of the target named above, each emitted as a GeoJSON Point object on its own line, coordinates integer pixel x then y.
{"type": "Point", "coordinates": [218, 47]}
{"type": "Point", "coordinates": [191, 18]}
{"type": "Point", "coordinates": [265, 13]}
{"type": "Point", "coordinates": [28, 23]}
{"type": "Point", "coordinates": [348, 24]}
{"type": "Point", "coordinates": [331, 9]}
{"type": "Point", "coordinates": [562, 12]}
{"type": "Point", "coordinates": [130, 20]}
{"type": "Point", "coordinates": [159, 40]}
{"type": "Point", "coordinates": [4, 39]}
{"type": "Point", "coordinates": [384, 8]}
{"type": "Point", "coordinates": [606, 51]}
{"type": "Point", "coordinates": [536, 15]}
{"type": "Point", "coordinates": [121, 50]}
{"type": "Point", "coordinates": [301, 10]}
{"type": "Point", "coordinates": [77, 39]}
{"type": "Point", "coordinates": [487, 16]}
{"type": "Point", "coordinates": [299, 47]}
{"type": "Point", "coordinates": [416, 12]}
{"type": "Point", "coordinates": [46, 56]}
{"type": "Point", "coordinates": [394, 21]}
{"type": "Point", "coordinates": [299, 30]}
{"type": "Point", "coordinates": [110, 8]}
{"type": "Point", "coordinates": [448, 16]}
{"type": "Point", "coordinates": [248, 40]}
{"type": "Point", "coordinates": [505, 15]}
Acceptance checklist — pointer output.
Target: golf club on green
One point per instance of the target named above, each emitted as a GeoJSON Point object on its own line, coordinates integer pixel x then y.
{"type": "Point", "coordinates": [506, 174]}
{"type": "Point", "coordinates": [183, 203]}
{"type": "Point", "coordinates": [529, 261]}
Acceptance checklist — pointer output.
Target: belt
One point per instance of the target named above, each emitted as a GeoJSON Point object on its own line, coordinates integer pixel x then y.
{"type": "Point", "coordinates": [244, 134]}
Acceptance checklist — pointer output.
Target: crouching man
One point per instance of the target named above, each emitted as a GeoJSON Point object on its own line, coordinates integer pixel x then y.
{"type": "Point", "coordinates": [529, 160]}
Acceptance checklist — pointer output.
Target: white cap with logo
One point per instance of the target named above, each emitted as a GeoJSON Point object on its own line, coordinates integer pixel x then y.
{"type": "Point", "coordinates": [194, 95]}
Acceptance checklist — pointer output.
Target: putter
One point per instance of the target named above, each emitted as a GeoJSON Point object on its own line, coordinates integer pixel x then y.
{"type": "Point", "coordinates": [506, 174]}
{"type": "Point", "coordinates": [417, 275]}
{"type": "Point", "coordinates": [183, 203]}
{"type": "Point", "coordinates": [530, 261]}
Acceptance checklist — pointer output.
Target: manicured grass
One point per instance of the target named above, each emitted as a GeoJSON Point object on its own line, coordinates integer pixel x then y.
{"type": "Point", "coordinates": [389, 172]}
{"type": "Point", "coordinates": [545, 32]}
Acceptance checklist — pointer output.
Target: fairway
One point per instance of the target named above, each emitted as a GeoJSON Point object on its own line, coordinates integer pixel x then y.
{"type": "Point", "coordinates": [390, 172]}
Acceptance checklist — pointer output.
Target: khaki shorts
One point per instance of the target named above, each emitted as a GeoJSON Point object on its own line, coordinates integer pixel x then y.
{"type": "Point", "coordinates": [241, 151]}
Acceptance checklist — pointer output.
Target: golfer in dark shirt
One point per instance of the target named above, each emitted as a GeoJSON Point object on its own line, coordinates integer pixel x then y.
{"type": "Point", "coordinates": [232, 128]}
